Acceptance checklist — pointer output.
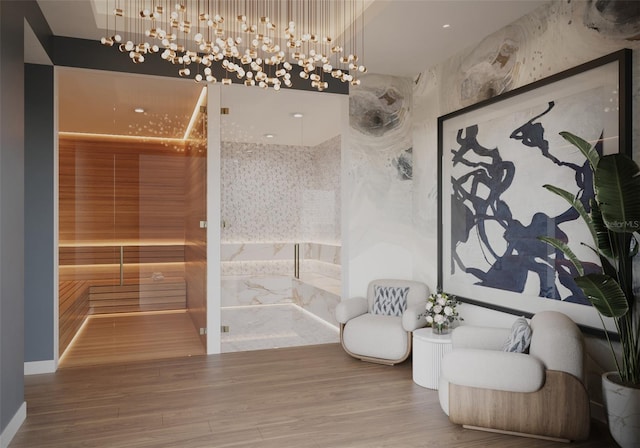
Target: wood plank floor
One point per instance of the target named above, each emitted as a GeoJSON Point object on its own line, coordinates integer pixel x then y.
{"type": "Point", "coordinates": [128, 337]}
{"type": "Point", "coordinates": [300, 397]}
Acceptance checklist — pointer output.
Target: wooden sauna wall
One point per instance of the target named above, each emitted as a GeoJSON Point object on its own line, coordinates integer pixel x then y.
{"type": "Point", "coordinates": [114, 191]}
{"type": "Point", "coordinates": [142, 201]}
{"type": "Point", "coordinates": [196, 237]}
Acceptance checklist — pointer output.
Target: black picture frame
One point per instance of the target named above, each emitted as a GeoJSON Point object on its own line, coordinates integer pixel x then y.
{"type": "Point", "coordinates": [494, 156]}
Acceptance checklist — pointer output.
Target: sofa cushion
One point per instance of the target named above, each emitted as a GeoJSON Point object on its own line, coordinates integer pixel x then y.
{"type": "Point", "coordinates": [520, 337]}
{"type": "Point", "coordinates": [389, 300]}
{"type": "Point", "coordinates": [375, 336]}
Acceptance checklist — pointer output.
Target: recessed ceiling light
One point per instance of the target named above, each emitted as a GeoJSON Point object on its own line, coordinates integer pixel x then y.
{"type": "Point", "coordinates": [269, 135]}
{"type": "Point", "coordinates": [446, 25]}
{"type": "Point", "coordinates": [138, 110]}
{"type": "Point", "coordinates": [297, 115]}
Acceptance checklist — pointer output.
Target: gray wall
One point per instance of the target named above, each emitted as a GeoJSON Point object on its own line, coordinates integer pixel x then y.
{"type": "Point", "coordinates": [38, 214]}
{"type": "Point", "coordinates": [11, 211]}
{"type": "Point", "coordinates": [12, 190]}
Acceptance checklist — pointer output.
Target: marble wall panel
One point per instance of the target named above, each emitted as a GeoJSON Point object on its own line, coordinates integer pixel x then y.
{"type": "Point", "coordinates": [555, 37]}
{"type": "Point", "coordinates": [243, 290]}
{"type": "Point", "coordinates": [318, 301]}
{"type": "Point", "coordinates": [380, 187]}
{"type": "Point", "coordinates": [322, 252]}
{"type": "Point", "coordinates": [256, 251]}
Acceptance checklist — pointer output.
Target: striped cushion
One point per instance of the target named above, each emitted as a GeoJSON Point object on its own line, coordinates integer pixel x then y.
{"type": "Point", "coordinates": [520, 337]}
{"type": "Point", "coordinates": [389, 300]}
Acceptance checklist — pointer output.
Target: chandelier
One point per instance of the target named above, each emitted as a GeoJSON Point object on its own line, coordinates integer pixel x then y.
{"type": "Point", "coordinates": [259, 42]}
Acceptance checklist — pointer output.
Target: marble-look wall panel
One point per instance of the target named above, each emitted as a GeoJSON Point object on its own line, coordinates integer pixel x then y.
{"type": "Point", "coordinates": [553, 38]}
{"type": "Point", "coordinates": [243, 290]}
{"type": "Point", "coordinates": [256, 251]}
{"type": "Point", "coordinates": [379, 171]}
{"type": "Point", "coordinates": [322, 252]}
{"type": "Point", "coordinates": [320, 302]}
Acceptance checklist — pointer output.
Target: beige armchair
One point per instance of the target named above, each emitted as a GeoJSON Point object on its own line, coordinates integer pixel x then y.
{"type": "Point", "coordinates": [374, 329]}
{"type": "Point", "coordinates": [538, 394]}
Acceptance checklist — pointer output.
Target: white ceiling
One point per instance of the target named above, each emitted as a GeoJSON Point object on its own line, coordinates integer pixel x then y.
{"type": "Point", "coordinates": [402, 38]}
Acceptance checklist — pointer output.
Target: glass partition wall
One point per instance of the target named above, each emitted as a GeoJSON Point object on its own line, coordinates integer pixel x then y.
{"type": "Point", "coordinates": [280, 208]}
{"type": "Point", "coordinates": [132, 209]}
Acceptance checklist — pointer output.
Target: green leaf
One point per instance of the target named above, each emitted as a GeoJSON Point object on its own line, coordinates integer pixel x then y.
{"type": "Point", "coordinates": [562, 246]}
{"type": "Point", "coordinates": [604, 293]}
{"type": "Point", "coordinates": [577, 205]}
{"type": "Point", "coordinates": [603, 238]}
{"type": "Point", "coordinates": [617, 186]}
{"type": "Point", "coordinates": [584, 146]}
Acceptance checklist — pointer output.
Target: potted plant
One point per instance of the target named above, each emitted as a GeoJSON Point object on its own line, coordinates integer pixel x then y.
{"type": "Point", "coordinates": [614, 222]}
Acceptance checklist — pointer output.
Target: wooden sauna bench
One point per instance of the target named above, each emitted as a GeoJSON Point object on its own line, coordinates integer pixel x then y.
{"type": "Point", "coordinates": [88, 283]}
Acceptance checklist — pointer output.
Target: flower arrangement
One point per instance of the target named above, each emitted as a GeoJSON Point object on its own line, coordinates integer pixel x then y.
{"type": "Point", "coordinates": [441, 310]}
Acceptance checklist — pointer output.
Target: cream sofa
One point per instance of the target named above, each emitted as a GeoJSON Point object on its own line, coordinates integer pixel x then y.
{"type": "Point", "coordinates": [540, 393]}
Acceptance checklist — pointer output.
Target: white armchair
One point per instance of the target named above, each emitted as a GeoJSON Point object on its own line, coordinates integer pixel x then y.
{"type": "Point", "coordinates": [371, 332]}
{"type": "Point", "coordinates": [539, 394]}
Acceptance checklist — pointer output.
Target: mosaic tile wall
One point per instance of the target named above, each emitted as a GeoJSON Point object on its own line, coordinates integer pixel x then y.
{"type": "Point", "coordinates": [280, 193]}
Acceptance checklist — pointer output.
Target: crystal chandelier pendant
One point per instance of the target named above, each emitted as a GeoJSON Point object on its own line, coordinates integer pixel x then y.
{"type": "Point", "coordinates": [318, 39]}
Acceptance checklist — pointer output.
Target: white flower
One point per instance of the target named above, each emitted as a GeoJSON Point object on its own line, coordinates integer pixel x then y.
{"type": "Point", "coordinates": [429, 319]}
{"type": "Point", "coordinates": [448, 310]}
{"type": "Point", "coordinates": [438, 318]}
{"type": "Point", "coordinates": [442, 301]}
{"type": "Point", "coordinates": [429, 305]}
{"type": "Point", "coordinates": [437, 309]}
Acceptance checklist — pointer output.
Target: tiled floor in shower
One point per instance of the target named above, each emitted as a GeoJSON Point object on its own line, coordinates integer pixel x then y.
{"type": "Point", "coordinates": [273, 326]}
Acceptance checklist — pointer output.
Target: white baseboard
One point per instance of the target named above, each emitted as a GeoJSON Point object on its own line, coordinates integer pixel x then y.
{"type": "Point", "coordinates": [14, 425]}
{"type": "Point", "coordinates": [38, 367]}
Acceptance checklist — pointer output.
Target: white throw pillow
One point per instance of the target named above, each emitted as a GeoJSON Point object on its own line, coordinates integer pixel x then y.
{"type": "Point", "coordinates": [520, 337]}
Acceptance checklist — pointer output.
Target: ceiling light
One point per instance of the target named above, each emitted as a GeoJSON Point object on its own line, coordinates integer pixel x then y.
{"type": "Point", "coordinates": [446, 25]}
{"type": "Point", "coordinates": [297, 115]}
{"type": "Point", "coordinates": [269, 135]}
{"type": "Point", "coordinates": [264, 45]}
{"type": "Point", "coordinates": [138, 110]}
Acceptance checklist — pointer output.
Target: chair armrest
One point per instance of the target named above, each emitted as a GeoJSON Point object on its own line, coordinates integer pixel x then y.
{"type": "Point", "coordinates": [485, 338]}
{"type": "Point", "coordinates": [488, 369]}
{"type": "Point", "coordinates": [350, 308]}
{"type": "Point", "coordinates": [410, 320]}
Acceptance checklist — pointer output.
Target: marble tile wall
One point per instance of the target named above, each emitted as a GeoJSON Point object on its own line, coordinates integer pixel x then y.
{"type": "Point", "coordinates": [262, 274]}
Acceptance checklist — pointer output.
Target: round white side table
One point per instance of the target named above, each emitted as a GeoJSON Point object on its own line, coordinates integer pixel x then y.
{"type": "Point", "coordinates": [428, 350]}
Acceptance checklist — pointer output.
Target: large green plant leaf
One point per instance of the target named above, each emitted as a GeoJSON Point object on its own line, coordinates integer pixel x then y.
{"type": "Point", "coordinates": [562, 246]}
{"type": "Point", "coordinates": [604, 293]}
{"type": "Point", "coordinates": [603, 238]}
{"type": "Point", "coordinates": [617, 185]}
{"type": "Point", "coordinates": [584, 146]}
{"type": "Point", "coordinates": [577, 205]}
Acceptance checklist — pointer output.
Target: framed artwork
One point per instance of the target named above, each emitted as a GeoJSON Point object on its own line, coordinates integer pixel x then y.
{"type": "Point", "coordinates": [494, 158]}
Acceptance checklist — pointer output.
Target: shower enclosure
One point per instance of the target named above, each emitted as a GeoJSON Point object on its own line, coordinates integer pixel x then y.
{"type": "Point", "coordinates": [280, 208]}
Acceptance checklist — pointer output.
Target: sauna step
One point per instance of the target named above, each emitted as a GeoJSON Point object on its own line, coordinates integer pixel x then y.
{"type": "Point", "coordinates": [139, 297]}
